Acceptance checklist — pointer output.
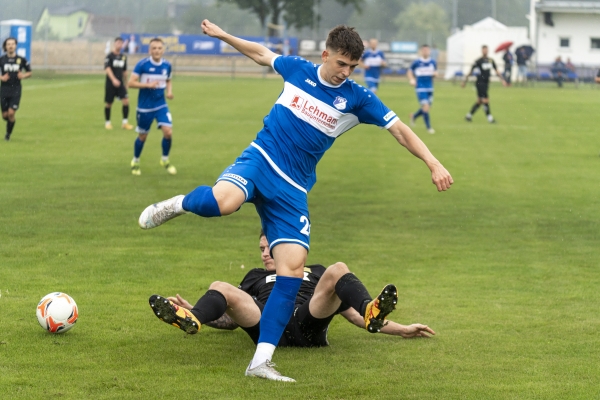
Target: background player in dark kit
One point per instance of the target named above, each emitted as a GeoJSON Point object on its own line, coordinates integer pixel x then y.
{"type": "Point", "coordinates": [12, 67]}
{"type": "Point", "coordinates": [483, 65]}
{"type": "Point", "coordinates": [115, 65]}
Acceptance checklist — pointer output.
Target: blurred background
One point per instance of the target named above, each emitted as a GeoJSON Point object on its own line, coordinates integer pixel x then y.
{"type": "Point", "coordinates": [75, 35]}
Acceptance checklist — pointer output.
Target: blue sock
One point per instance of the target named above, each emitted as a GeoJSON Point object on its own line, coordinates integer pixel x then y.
{"type": "Point", "coordinates": [426, 118]}
{"type": "Point", "coordinates": [202, 202]}
{"type": "Point", "coordinates": [279, 309]}
{"type": "Point", "coordinates": [418, 114]}
{"type": "Point", "coordinates": [137, 147]}
{"type": "Point", "coordinates": [166, 146]}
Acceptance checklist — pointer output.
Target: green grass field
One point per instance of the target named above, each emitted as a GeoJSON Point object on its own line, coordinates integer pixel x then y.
{"type": "Point", "coordinates": [504, 266]}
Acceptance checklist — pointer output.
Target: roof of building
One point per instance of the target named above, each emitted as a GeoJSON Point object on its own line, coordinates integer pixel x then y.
{"type": "Point", "coordinates": [568, 6]}
{"type": "Point", "coordinates": [66, 10]}
{"type": "Point", "coordinates": [488, 23]}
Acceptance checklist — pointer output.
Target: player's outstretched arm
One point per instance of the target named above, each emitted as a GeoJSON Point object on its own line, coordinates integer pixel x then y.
{"type": "Point", "coordinates": [440, 177]}
{"type": "Point", "coordinates": [392, 328]}
{"type": "Point", "coordinates": [257, 52]}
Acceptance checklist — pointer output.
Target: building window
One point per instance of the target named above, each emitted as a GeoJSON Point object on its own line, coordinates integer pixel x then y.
{"type": "Point", "coordinates": [80, 22]}
{"type": "Point", "coordinates": [595, 43]}
{"type": "Point", "coordinates": [564, 42]}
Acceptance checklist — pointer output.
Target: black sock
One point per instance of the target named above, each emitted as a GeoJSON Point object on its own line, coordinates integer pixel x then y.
{"type": "Point", "coordinates": [474, 108]}
{"type": "Point", "coordinates": [10, 126]}
{"type": "Point", "coordinates": [210, 307]}
{"type": "Point", "coordinates": [107, 114]}
{"type": "Point", "coordinates": [486, 108]}
{"type": "Point", "coordinates": [353, 293]}
{"type": "Point", "coordinates": [125, 112]}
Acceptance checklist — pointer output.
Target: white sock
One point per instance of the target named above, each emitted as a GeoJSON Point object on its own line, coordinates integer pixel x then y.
{"type": "Point", "coordinates": [136, 159]}
{"type": "Point", "coordinates": [165, 158]}
{"type": "Point", "coordinates": [106, 122]}
{"type": "Point", "coordinates": [264, 352]}
{"type": "Point", "coordinates": [179, 206]}
{"type": "Point", "coordinates": [469, 115]}
{"type": "Point", "coordinates": [490, 118]}
{"type": "Point", "coordinates": [124, 121]}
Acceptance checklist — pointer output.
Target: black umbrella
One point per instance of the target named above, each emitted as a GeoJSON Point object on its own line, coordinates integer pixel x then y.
{"type": "Point", "coordinates": [527, 49]}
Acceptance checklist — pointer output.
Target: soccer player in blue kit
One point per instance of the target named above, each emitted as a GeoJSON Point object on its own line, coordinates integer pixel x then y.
{"type": "Point", "coordinates": [373, 61]}
{"type": "Point", "coordinates": [420, 75]}
{"type": "Point", "coordinates": [152, 75]}
{"type": "Point", "coordinates": [318, 104]}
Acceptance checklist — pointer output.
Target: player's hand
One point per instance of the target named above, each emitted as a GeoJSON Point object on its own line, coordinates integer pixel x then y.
{"type": "Point", "coordinates": [413, 82]}
{"type": "Point", "coordinates": [4, 77]}
{"type": "Point", "coordinates": [152, 85]}
{"type": "Point", "coordinates": [416, 330]}
{"type": "Point", "coordinates": [504, 83]}
{"type": "Point", "coordinates": [210, 29]}
{"type": "Point", "coordinates": [440, 177]}
{"type": "Point", "coordinates": [181, 302]}
{"type": "Point", "coordinates": [170, 96]}
{"type": "Point", "coordinates": [116, 83]}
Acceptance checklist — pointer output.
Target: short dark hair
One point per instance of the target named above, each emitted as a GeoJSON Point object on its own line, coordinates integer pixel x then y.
{"type": "Point", "coordinates": [346, 41]}
{"type": "Point", "coordinates": [156, 39]}
{"type": "Point", "coordinates": [424, 45]}
{"type": "Point", "coordinates": [6, 40]}
{"type": "Point", "coordinates": [118, 39]}
{"type": "Point", "coordinates": [262, 233]}
{"type": "Point", "coordinates": [484, 46]}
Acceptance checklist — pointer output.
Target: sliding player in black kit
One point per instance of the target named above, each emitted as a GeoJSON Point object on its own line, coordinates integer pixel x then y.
{"type": "Point", "coordinates": [115, 65]}
{"type": "Point", "coordinates": [483, 66]}
{"type": "Point", "coordinates": [14, 69]}
{"type": "Point", "coordinates": [324, 292]}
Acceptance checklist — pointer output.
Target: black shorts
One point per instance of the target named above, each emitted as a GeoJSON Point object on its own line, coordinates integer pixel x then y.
{"type": "Point", "coordinates": [482, 89]}
{"type": "Point", "coordinates": [110, 92]}
{"type": "Point", "coordinates": [303, 330]}
{"type": "Point", "coordinates": [10, 100]}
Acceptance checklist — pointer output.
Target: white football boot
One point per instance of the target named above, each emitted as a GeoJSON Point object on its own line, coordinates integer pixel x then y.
{"type": "Point", "coordinates": [267, 370]}
{"type": "Point", "coordinates": [159, 213]}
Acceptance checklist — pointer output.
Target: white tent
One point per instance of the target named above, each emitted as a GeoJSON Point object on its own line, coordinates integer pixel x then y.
{"type": "Point", "coordinates": [464, 46]}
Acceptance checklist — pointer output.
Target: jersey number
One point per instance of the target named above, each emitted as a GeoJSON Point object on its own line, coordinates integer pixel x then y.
{"type": "Point", "coordinates": [306, 229]}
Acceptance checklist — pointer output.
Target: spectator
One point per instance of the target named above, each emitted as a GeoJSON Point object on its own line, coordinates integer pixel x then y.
{"type": "Point", "coordinates": [508, 63]}
{"type": "Point", "coordinates": [597, 78]}
{"type": "Point", "coordinates": [522, 59]}
{"type": "Point", "coordinates": [570, 66]}
{"type": "Point", "coordinates": [559, 70]}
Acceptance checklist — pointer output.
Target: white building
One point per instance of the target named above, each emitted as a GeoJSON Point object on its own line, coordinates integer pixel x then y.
{"type": "Point", "coordinates": [464, 46]}
{"type": "Point", "coordinates": [570, 29]}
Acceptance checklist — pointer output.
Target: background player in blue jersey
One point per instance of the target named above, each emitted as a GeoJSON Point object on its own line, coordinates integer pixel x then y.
{"type": "Point", "coordinates": [318, 104]}
{"type": "Point", "coordinates": [373, 61]}
{"type": "Point", "coordinates": [152, 76]}
{"type": "Point", "coordinates": [420, 75]}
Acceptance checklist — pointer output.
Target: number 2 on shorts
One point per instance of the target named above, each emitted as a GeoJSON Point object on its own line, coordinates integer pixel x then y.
{"type": "Point", "coordinates": [306, 230]}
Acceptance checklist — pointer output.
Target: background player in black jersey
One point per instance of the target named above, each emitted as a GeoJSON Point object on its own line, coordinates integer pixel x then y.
{"type": "Point", "coordinates": [115, 65]}
{"type": "Point", "coordinates": [14, 69]}
{"type": "Point", "coordinates": [484, 66]}
{"type": "Point", "coordinates": [324, 293]}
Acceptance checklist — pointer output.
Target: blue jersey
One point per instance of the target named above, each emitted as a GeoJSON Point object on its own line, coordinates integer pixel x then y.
{"type": "Point", "coordinates": [424, 71]}
{"type": "Point", "coordinates": [150, 71]}
{"type": "Point", "coordinates": [374, 60]}
{"type": "Point", "coordinates": [308, 116]}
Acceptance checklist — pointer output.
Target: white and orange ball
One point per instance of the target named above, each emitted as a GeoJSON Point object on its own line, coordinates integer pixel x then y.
{"type": "Point", "coordinates": [57, 312]}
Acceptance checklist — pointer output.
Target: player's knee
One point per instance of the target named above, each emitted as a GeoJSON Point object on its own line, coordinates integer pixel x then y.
{"type": "Point", "coordinates": [142, 137]}
{"type": "Point", "coordinates": [339, 268]}
{"type": "Point", "coordinates": [108, 105]}
{"type": "Point", "coordinates": [168, 133]}
{"type": "Point", "coordinates": [222, 287]}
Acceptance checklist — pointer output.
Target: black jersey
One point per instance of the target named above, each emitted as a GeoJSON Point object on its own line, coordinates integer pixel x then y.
{"type": "Point", "coordinates": [12, 66]}
{"type": "Point", "coordinates": [259, 283]}
{"type": "Point", "coordinates": [117, 64]}
{"type": "Point", "coordinates": [485, 66]}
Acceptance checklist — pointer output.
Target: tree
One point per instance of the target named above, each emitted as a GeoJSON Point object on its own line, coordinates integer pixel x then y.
{"type": "Point", "coordinates": [296, 13]}
{"type": "Point", "coordinates": [423, 22]}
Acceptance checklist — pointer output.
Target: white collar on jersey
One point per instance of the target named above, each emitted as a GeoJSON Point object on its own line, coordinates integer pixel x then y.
{"type": "Point", "coordinates": [425, 59]}
{"type": "Point", "coordinates": [154, 62]}
{"type": "Point", "coordinates": [324, 82]}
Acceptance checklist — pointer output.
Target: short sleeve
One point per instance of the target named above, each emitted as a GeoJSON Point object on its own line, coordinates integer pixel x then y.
{"type": "Point", "coordinates": [287, 65]}
{"type": "Point", "coordinates": [170, 71]}
{"type": "Point", "coordinates": [374, 112]}
{"type": "Point", "coordinates": [413, 66]}
{"type": "Point", "coordinates": [598, 74]}
{"type": "Point", "coordinates": [434, 65]}
{"type": "Point", "coordinates": [382, 55]}
{"type": "Point", "coordinates": [106, 62]}
{"type": "Point", "coordinates": [124, 63]}
{"type": "Point", "coordinates": [138, 69]}
{"type": "Point", "coordinates": [494, 64]}
{"type": "Point", "coordinates": [26, 65]}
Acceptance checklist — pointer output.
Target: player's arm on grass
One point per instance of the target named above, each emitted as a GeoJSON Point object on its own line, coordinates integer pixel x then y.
{"type": "Point", "coordinates": [440, 177]}
{"type": "Point", "coordinates": [257, 52]}
{"type": "Point", "coordinates": [392, 328]}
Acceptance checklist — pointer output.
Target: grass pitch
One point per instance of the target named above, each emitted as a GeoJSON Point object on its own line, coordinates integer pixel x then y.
{"type": "Point", "coordinates": [504, 267]}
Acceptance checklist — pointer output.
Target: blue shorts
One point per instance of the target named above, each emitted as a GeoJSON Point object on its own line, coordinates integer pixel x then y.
{"type": "Point", "coordinates": [283, 208]}
{"type": "Point", "coordinates": [372, 84]}
{"type": "Point", "coordinates": [144, 119]}
{"type": "Point", "coordinates": [425, 97]}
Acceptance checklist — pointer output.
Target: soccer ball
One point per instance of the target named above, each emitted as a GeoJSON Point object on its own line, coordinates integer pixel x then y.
{"type": "Point", "coordinates": [57, 312]}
